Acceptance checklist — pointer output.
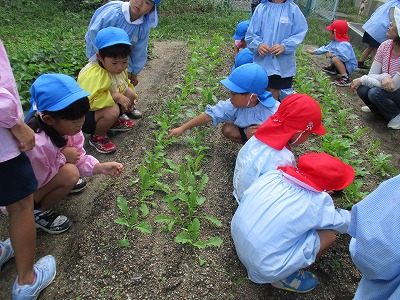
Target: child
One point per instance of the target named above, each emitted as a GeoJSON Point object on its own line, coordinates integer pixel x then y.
{"type": "Point", "coordinates": [136, 17]}
{"type": "Point", "coordinates": [57, 113]}
{"type": "Point", "coordinates": [254, 4]}
{"type": "Point", "coordinates": [17, 183]}
{"type": "Point", "coordinates": [297, 117]}
{"type": "Point", "coordinates": [286, 220]}
{"type": "Point", "coordinates": [275, 31]}
{"type": "Point", "coordinates": [248, 106]}
{"type": "Point", "coordinates": [374, 246]}
{"type": "Point", "coordinates": [375, 31]}
{"type": "Point", "coordinates": [340, 53]}
{"type": "Point", "coordinates": [112, 94]}
{"type": "Point", "coordinates": [244, 57]}
{"type": "Point", "coordinates": [239, 35]}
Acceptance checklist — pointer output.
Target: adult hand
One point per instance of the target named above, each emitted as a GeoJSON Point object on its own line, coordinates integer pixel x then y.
{"type": "Point", "coordinates": [355, 84]}
{"type": "Point", "coordinates": [263, 49]}
{"type": "Point", "coordinates": [387, 84]}
{"type": "Point", "coordinates": [24, 134]}
{"type": "Point", "coordinates": [133, 78]}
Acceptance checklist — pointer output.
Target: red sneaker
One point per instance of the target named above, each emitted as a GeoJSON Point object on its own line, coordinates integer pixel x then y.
{"type": "Point", "coordinates": [102, 144]}
{"type": "Point", "coordinates": [122, 124]}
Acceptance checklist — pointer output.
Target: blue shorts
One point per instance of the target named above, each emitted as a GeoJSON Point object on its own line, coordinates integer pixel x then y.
{"type": "Point", "coordinates": [367, 39]}
{"type": "Point", "coordinates": [17, 180]}
{"type": "Point", "coordinates": [277, 82]}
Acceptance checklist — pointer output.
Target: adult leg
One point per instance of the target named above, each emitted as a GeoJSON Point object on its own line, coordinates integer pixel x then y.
{"type": "Point", "coordinates": [23, 238]}
{"type": "Point", "coordinates": [388, 103]}
{"type": "Point", "coordinates": [363, 92]}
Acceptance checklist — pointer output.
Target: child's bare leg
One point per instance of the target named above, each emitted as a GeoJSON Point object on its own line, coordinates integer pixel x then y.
{"type": "Point", "coordinates": [327, 238]}
{"type": "Point", "coordinates": [339, 65]}
{"type": "Point", "coordinates": [275, 93]}
{"type": "Point", "coordinates": [105, 118]}
{"type": "Point", "coordinates": [57, 188]}
{"type": "Point", "coordinates": [23, 238]}
{"type": "Point", "coordinates": [231, 131]}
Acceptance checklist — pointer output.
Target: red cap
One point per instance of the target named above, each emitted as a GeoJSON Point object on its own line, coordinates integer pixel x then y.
{"type": "Point", "coordinates": [298, 112]}
{"type": "Point", "coordinates": [320, 171]}
{"type": "Point", "coordinates": [340, 27]}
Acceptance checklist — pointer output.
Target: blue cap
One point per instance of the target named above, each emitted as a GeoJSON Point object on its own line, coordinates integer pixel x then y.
{"type": "Point", "coordinates": [241, 30]}
{"type": "Point", "coordinates": [111, 36]}
{"type": "Point", "coordinates": [244, 56]}
{"type": "Point", "coordinates": [54, 92]}
{"type": "Point", "coordinates": [250, 78]}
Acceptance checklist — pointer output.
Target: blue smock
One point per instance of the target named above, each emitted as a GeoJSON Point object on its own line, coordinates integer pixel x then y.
{"type": "Point", "coordinates": [342, 50]}
{"type": "Point", "coordinates": [375, 243]}
{"type": "Point", "coordinates": [277, 23]}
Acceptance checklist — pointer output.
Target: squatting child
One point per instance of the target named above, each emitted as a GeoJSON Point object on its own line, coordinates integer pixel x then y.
{"type": "Point", "coordinates": [17, 184]}
{"type": "Point", "coordinates": [340, 53]}
{"type": "Point", "coordinates": [297, 117]}
{"type": "Point", "coordinates": [238, 37]}
{"type": "Point", "coordinates": [287, 219]}
{"type": "Point", "coordinates": [135, 17]}
{"type": "Point", "coordinates": [58, 110]}
{"type": "Point", "coordinates": [112, 95]}
{"type": "Point", "coordinates": [249, 105]}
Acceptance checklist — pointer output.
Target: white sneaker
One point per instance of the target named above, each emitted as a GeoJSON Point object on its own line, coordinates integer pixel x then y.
{"type": "Point", "coordinates": [394, 123]}
{"type": "Point", "coordinates": [365, 109]}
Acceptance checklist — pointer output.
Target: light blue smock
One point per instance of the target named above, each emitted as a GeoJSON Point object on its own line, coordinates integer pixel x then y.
{"type": "Point", "coordinates": [274, 23]}
{"type": "Point", "coordinates": [378, 24]}
{"type": "Point", "coordinates": [342, 50]}
{"type": "Point", "coordinates": [274, 229]}
{"type": "Point", "coordinates": [224, 111]}
{"type": "Point", "coordinates": [253, 160]}
{"type": "Point", "coordinates": [111, 14]}
{"type": "Point", "coordinates": [375, 243]}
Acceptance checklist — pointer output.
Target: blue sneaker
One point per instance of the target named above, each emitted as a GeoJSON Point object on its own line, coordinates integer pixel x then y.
{"type": "Point", "coordinates": [7, 252]}
{"type": "Point", "coordinates": [299, 282]}
{"type": "Point", "coordinates": [45, 271]}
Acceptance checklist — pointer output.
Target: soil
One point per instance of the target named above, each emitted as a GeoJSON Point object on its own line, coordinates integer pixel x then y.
{"type": "Point", "coordinates": [91, 264]}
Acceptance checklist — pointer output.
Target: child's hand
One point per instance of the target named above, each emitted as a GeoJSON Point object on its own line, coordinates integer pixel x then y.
{"type": "Point", "coordinates": [24, 134]}
{"type": "Point", "coordinates": [277, 49]}
{"type": "Point", "coordinates": [251, 130]}
{"type": "Point", "coordinates": [310, 51]}
{"type": "Point", "coordinates": [124, 101]}
{"type": "Point", "coordinates": [133, 78]}
{"type": "Point", "coordinates": [175, 132]}
{"type": "Point", "coordinates": [263, 49]}
{"type": "Point", "coordinates": [108, 168]}
{"type": "Point", "coordinates": [329, 55]}
{"type": "Point", "coordinates": [71, 154]}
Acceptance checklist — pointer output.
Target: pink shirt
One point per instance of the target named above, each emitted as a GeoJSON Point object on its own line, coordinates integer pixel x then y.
{"type": "Point", "coordinates": [46, 158]}
{"type": "Point", "coordinates": [383, 57]}
{"type": "Point", "coordinates": [10, 109]}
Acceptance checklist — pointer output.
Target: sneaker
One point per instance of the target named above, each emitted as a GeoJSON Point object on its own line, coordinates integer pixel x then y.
{"type": "Point", "coordinates": [122, 124]}
{"type": "Point", "coordinates": [330, 69]}
{"type": "Point", "coordinates": [342, 81]}
{"type": "Point", "coordinates": [45, 271]}
{"type": "Point", "coordinates": [134, 114]}
{"type": "Point", "coordinates": [7, 251]}
{"type": "Point", "coordinates": [361, 66]}
{"type": "Point", "coordinates": [52, 222]}
{"type": "Point", "coordinates": [79, 186]}
{"type": "Point", "coordinates": [394, 123]}
{"type": "Point", "coordinates": [299, 282]}
{"type": "Point", "coordinates": [365, 109]}
{"type": "Point", "coordinates": [102, 144]}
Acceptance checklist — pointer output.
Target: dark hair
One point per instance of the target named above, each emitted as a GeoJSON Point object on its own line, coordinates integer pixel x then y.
{"type": "Point", "coordinates": [397, 40]}
{"type": "Point", "coordinates": [115, 51]}
{"type": "Point", "coordinates": [74, 111]}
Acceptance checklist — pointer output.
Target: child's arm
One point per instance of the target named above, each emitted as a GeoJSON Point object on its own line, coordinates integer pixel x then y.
{"type": "Point", "coordinates": [121, 99]}
{"type": "Point", "coordinates": [108, 168]}
{"type": "Point", "coordinates": [24, 134]}
{"type": "Point", "coordinates": [196, 121]}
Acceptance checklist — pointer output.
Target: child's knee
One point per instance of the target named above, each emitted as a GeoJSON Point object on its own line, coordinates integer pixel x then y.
{"type": "Point", "coordinates": [70, 174]}
{"type": "Point", "coordinates": [229, 130]}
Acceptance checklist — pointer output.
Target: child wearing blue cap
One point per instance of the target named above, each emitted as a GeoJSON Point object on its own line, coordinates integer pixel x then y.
{"type": "Point", "coordinates": [244, 57]}
{"type": "Point", "coordinates": [136, 17]}
{"type": "Point", "coordinates": [111, 92]}
{"type": "Point", "coordinates": [58, 110]}
{"type": "Point", "coordinates": [249, 105]}
{"type": "Point", "coordinates": [239, 35]}
{"type": "Point", "coordinates": [17, 184]}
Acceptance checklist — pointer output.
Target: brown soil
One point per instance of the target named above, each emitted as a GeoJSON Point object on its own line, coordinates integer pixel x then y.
{"type": "Point", "coordinates": [91, 265]}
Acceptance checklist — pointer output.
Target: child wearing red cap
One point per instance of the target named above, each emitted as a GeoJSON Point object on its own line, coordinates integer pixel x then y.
{"type": "Point", "coordinates": [249, 105]}
{"type": "Point", "coordinates": [287, 219]}
{"type": "Point", "coordinates": [297, 117]}
{"type": "Point", "coordinates": [340, 53]}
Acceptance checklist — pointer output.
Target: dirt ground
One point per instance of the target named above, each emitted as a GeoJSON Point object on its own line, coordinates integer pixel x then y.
{"type": "Point", "coordinates": [91, 265]}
